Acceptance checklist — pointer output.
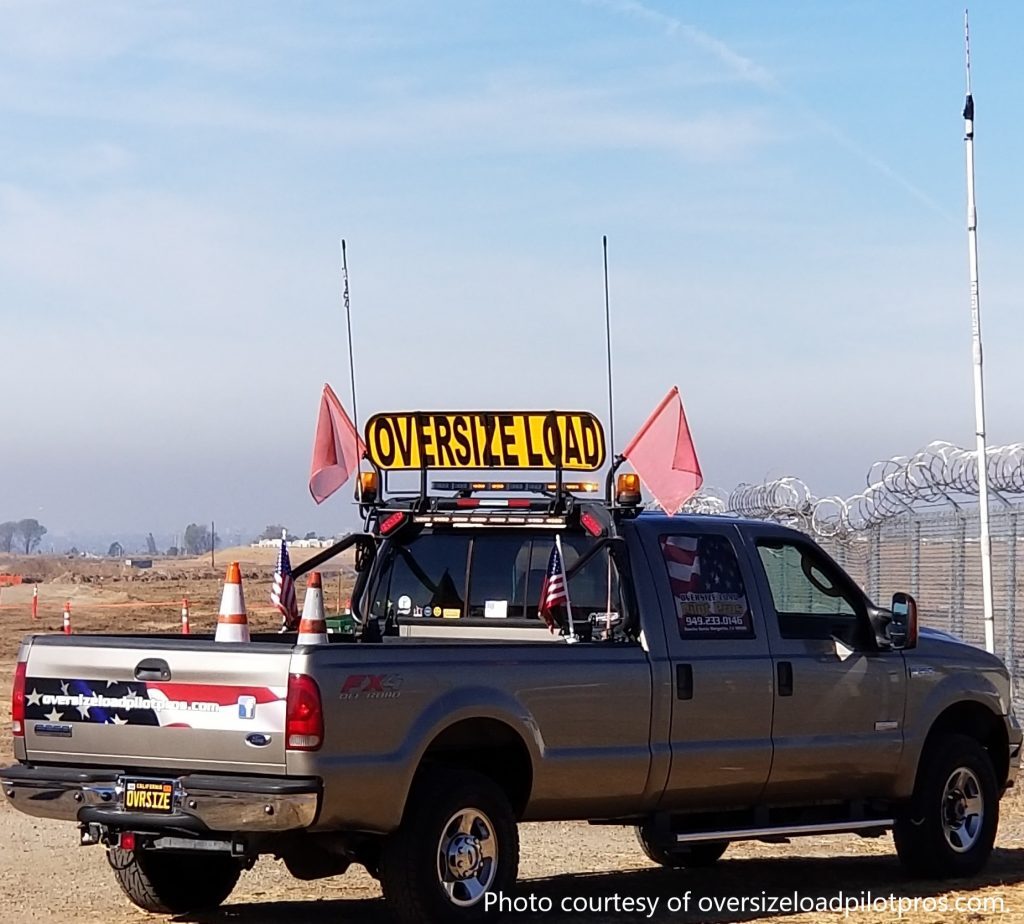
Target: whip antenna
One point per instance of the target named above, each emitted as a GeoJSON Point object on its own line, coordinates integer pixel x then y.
{"type": "Point", "coordinates": [351, 355]}
{"type": "Point", "coordinates": [608, 343]}
{"type": "Point", "coordinates": [985, 540]}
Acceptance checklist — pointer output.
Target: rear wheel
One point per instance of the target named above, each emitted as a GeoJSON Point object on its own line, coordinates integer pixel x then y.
{"type": "Point", "coordinates": [950, 825]}
{"type": "Point", "coordinates": [704, 853]}
{"type": "Point", "coordinates": [173, 883]}
{"type": "Point", "coordinates": [457, 842]}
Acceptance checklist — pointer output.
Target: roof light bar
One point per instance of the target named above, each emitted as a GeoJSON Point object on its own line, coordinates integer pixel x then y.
{"type": "Point", "coordinates": [536, 487]}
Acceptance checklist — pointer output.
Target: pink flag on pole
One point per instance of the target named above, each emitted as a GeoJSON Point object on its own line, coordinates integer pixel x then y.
{"type": "Point", "coordinates": [663, 455]}
{"type": "Point", "coordinates": [337, 448]}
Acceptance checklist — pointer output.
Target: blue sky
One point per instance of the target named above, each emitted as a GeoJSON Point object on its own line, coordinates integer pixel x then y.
{"type": "Point", "coordinates": [782, 186]}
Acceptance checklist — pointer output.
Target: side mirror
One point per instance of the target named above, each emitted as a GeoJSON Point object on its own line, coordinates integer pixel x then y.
{"type": "Point", "coordinates": [902, 628]}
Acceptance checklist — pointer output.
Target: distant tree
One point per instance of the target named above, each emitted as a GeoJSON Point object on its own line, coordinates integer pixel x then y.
{"type": "Point", "coordinates": [73, 552]}
{"type": "Point", "coordinates": [309, 536]}
{"type": "Point", "coordinates": [7, 531]}
{"type": "Point", "coordinates": [173, 551]}
{"type": "Point", "coordinates": [116, 550]}
{"type": "Point", "coordinates": [197, 539]}
{"type": "Point", "coordinates": [271, 532]}
{"type": "Point", "coordinates": [151, 545]}
{"type": "Point", "coordinates": [31, 532]}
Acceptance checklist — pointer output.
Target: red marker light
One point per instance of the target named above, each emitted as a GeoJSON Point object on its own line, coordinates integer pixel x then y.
{"type": "Point", "coordinates": [390, 523]}
{"type": "Point", "coordinates": [591, 524]}
{"type": "Point", "coordinates": [127, 841]}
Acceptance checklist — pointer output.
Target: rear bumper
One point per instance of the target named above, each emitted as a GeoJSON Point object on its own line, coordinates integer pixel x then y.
{"type": "Point", "coordinates": [201, 803]}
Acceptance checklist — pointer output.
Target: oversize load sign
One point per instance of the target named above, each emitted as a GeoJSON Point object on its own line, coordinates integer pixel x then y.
{"type": "Point", "coordinates": [479, 439]}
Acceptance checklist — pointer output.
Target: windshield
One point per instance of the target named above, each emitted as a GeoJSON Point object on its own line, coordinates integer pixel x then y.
{"type": "Point", "coordinates": [488, 575]}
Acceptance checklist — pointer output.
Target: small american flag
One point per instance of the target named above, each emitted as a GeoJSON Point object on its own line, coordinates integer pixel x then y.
{"type": "Point", "coordinates": [683, 563]}
{"type": "Point", "coordinates": [283, 593]}
{"type": "Point", "coordinates": [553, 592]}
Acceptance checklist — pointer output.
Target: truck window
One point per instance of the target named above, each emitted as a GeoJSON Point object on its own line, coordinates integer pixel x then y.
{"type": "Point", "coordinates": [810, 596]}
{"type": "Point", "coordinates": [707, 587]}
{"type": "Point", "coordinates": [424, 577]}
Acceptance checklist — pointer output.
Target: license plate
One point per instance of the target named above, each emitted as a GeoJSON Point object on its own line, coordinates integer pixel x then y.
{"type": "Point", "coordinates": [152, 796]}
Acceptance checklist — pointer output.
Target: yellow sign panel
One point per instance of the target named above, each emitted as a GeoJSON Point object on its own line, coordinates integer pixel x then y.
{"type": "Point", "coordinates": [486, 439]}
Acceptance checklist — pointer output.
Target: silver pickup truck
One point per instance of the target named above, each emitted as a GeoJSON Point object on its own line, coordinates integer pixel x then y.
{"type": "Point", "coordinates": [706, 680]}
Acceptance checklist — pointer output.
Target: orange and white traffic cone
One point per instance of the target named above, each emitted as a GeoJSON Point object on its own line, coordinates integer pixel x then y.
{"type": "Point", "coordinates": [313, 625]}
{"type": "Point", "coordinates": [35, 602]}
{"type": "Point", "coordinates": [232, 622]}
{"type": "Point", "coordinates": [185, 629]}
{"type": "Point", "coordinates": [67, 617]}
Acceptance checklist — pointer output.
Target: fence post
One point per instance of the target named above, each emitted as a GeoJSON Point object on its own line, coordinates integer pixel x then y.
{"type": "Point", "coordinates": [956, 598]}
{"type": "Point", "coordinates": [875, 564]}
{"type": "Point", "coordinates": [1011, 596]}
{"type": "Point", "coordinates": [915, 557]}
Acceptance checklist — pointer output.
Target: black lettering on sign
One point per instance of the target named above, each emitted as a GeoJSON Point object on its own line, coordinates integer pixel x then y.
{"type": "Point", "coordinates": [424, 438]}
{"type": "Point", "coordinates": [404, 442]}
{"type": "Point", "coordinates": [573, 456]}
{"type": "Point", "coordinates": [593, 444]}
{"type": "Point", "coordinates": [555, 439]}
{"type": "Point", "coordinates": [552, 440]}
{"type": "Point", "coordinates": [442, 436]}
{"type": "Point", "coordinates": [490, 426]}
{"type": "Point", "coordinates": [462, 450]}
{"type": "Point", "coordinates": [381, 441]}
{"type": "Point", "coordinates": [506, 424]}
{"type": "Point", "coordinates": [534, 453]}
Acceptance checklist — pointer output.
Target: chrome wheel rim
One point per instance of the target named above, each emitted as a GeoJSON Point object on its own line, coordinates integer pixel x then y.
{"type": "Point", "coordinates": [467, 857]}
{"type": "Point", "coordinates": [963, 810]}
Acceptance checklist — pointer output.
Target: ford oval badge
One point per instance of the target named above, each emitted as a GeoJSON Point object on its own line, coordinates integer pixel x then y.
{"type": "Point", "coordinates": [257, 740]}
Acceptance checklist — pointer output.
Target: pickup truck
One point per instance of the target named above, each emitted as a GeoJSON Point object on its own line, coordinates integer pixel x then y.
{"type": "Point", "coordinates": [719, 679]}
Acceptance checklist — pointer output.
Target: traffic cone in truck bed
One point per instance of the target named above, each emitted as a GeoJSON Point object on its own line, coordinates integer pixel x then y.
{"type": "Point", "coordinates": [232, 623]}
{"type": "Point", "coordinates": [313, 626]}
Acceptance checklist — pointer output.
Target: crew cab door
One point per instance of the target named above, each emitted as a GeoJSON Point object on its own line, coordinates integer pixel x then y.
{"type": "Point", "coordinates": [839, 700]}
{"type": "Point", "coordinates": [721, 669]}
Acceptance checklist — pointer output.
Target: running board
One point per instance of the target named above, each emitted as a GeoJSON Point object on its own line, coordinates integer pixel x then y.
{"type": "Point", "coordinates": [752, 834]}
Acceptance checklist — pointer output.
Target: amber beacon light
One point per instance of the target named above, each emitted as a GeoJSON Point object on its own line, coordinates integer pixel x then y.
{"type": "Point", "coordinates": [368, 487]}
{"type": "Point", "coordinates": [627, 490]}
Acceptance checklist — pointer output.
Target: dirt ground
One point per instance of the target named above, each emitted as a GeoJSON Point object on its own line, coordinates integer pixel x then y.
{"type": "Point", "coordinates": [586, 873]}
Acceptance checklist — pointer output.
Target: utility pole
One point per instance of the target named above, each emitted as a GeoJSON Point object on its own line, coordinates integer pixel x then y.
{"type": "Point", "coordinates": [985, 539]}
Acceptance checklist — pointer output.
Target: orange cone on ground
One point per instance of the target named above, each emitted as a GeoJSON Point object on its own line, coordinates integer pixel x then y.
{"type": "Point", "coordinates": [67, 617]}
{"type": "Point", "coordinates": [35, 602]}
{"type": "Point", "coordinates": [232, 622]}
{"type": "Point", "coordinates": [185, 628]}
{"type": "Point", "coordinates": [313, 625]}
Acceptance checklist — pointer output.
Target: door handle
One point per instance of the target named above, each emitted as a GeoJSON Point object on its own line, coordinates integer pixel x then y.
{"type": "Point", "coordinates": [152, 669]}
{"type": "Point", "coordinates": [785, 675]}
{"type": "Point", "coordinates": [684, 681]}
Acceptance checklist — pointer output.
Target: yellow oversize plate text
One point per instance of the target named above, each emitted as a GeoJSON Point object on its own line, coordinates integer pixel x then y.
{"type": "Point", "coordinates": [486, 439]}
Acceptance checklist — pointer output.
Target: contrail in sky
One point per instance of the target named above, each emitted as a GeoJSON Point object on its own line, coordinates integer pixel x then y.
{"type": "Point", "coordinates": [761, 77]}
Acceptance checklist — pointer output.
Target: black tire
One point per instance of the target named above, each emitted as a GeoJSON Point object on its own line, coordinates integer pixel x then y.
{"type": "Point", "coordinates": [418, 887]}
{"type": "Point", "coordinates": [949, 826]}
{"type": "Point", "coordinates": [173, 883]}
{"type": "Point", "coordinates": [705, 853]}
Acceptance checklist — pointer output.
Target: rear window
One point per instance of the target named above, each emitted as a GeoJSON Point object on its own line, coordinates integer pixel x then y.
{"type": "Point", "coordinates": [489, 575]}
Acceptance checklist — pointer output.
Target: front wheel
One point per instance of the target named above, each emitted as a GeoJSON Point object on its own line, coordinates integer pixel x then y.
{"type": "Point", "coordinates": [457, 843]}
{"type": "Point", "coordinates": [950, 825]}
{"type": "Point", "coordinates": [697, 855]}
{"type": "Point", "coordinates": [173, 883]}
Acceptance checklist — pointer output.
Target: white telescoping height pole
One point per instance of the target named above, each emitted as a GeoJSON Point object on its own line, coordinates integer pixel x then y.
{"type": "Point", "coordinates": [985, 540]}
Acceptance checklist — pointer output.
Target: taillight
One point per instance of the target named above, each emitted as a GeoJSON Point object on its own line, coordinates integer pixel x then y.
{"type": "Point", "coordinates": [304, 724]}
{"type": "Point", "coordinates": [18, 701]}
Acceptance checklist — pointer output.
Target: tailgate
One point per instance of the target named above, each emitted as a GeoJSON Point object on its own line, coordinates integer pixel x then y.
{"type": "Point", "coordinates": [174, 703]}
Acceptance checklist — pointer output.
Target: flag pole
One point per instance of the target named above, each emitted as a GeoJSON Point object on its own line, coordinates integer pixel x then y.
{"type": "Point", "coordinates": [571, 637]}
{"type": "Point", "coordinates": [985, 539]}
{"type": "Point", "coordinates": [351, 359]}
{"type": "Point", "coordinates": [608, 344]}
